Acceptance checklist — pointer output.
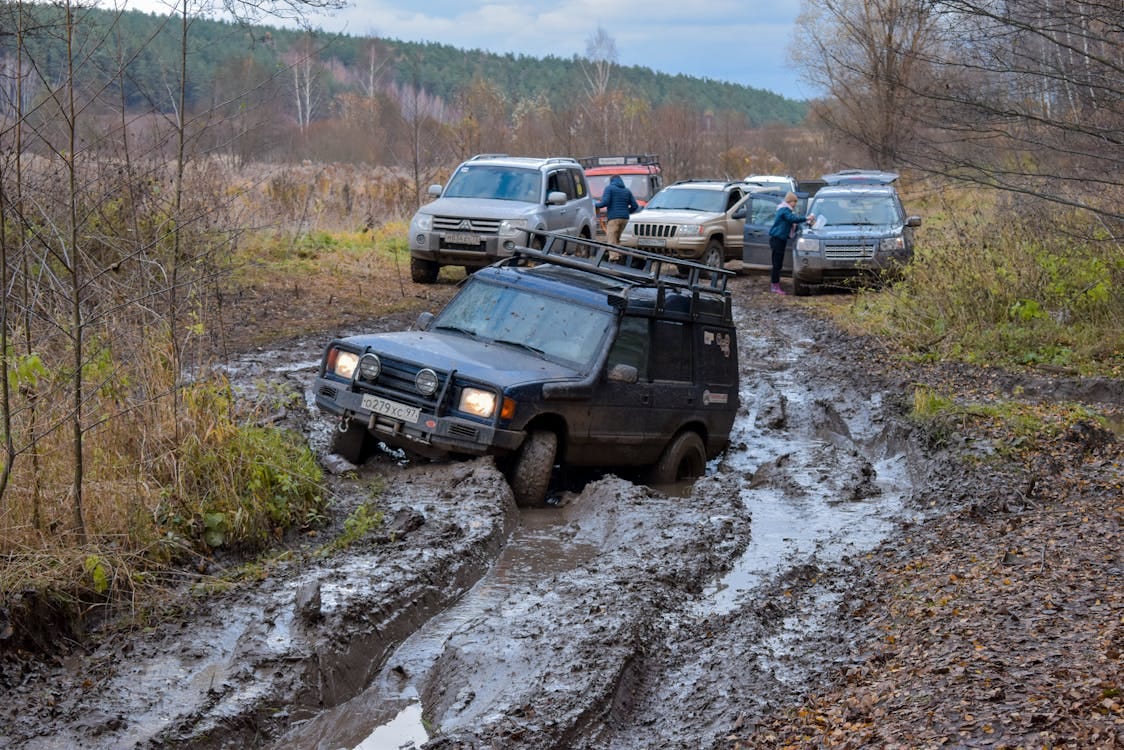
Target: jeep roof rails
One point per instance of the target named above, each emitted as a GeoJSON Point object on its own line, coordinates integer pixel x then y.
{"type": "Point", "coordinates": [487, 156]}
{"type": "Point", "coordinates": [634, 267]}
{"type": "Point", "coordinates": [618, 161]}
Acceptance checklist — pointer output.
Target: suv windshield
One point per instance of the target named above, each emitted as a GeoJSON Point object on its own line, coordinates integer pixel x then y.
{"type": "Point", "coordinates": [502, 183]}
{"type": "Point", "coordinates": [855, 210]}
{"type": "Point", "coordinates": [556, 328]}
{"type": "Point", "coordinates": [690, 199]}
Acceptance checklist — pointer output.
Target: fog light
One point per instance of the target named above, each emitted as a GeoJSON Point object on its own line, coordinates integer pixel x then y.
{"type": "Point", "coordinates": [426, 382]}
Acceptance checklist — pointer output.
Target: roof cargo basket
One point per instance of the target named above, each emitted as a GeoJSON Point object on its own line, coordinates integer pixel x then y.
{"type": "Point", "coordinates": [588, 162]}
{"type": "Point", "coordinates": [632, 267]}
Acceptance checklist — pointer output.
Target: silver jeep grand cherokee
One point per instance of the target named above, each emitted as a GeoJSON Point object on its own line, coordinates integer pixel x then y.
{"type": "Point", "coordinates": [492, 199]}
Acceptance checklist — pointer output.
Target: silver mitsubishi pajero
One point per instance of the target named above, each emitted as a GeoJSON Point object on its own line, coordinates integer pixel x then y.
{"type": "Point", "coordinates": [493, 200]}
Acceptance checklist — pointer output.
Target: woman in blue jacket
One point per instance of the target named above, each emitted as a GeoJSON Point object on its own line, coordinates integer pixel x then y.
{"type": "Point", "coordinates": [784, 227]}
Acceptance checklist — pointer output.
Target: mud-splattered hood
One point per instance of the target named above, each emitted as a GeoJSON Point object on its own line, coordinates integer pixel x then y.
{"type": "Point", "coordinates": [500, 364]}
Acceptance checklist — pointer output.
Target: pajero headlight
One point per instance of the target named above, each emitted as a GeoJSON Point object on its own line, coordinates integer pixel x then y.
{"type": "Point", "coordinates": [477, 402]}
{"type": "Point", "coordinates": [423, 222]}
{"type": "Point", "coordinates": [512, 227]}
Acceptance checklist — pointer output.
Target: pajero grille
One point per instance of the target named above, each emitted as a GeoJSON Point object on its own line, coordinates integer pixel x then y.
{"type": "Point", "coordinates": [849, 252]}
{"type": "Point", "coordinates": [459, 224]}
{"type": "Point", "coordinates": [654, 230]}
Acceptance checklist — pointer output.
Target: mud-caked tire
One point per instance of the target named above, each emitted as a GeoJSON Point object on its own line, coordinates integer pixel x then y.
{"type": "Point", "coordinates": [355, 444]}
{"type": "Point", "coordinates": [530, 471]}
{"type": "Point", "coordinates": [714, 255]}
{"type": "Point", "coordinates": [424, 271]}
{"type": "Point", "coordinates": [800, 288]}
{"type": "Point", "coordinates": [683, 458]}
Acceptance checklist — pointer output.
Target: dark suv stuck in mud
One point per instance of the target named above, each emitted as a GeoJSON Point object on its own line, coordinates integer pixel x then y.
{"type": "Point", "coordinates": [576, 354]}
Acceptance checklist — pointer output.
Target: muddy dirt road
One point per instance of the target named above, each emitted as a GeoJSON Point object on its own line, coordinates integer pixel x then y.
{"type": "Point", "coordinates": [620, 617]}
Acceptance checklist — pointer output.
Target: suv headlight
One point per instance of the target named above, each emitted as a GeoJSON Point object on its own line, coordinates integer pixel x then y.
{"type": "Point", "coordinates": [342, 363]}
{"type": "Point", "coordinates": [478, 402]}
{"type": "Point", "coordinates": [423, 222]}
{"type": "Point", "coordinates": [686, 230]}
{"type": "Point", "coordinates": [511, 227]}
{"type": "Point", "coordinates": [890, 244]}
{"type": "Point", "coordinates": [805, 245]}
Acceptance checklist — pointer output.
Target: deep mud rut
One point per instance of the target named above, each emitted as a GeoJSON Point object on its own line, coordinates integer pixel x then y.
{"type": "Point", "coordinates": [620, 617]}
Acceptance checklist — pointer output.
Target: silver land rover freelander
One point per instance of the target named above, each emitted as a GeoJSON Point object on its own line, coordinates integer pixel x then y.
{"type": "Point", "coordinates": [493, 199]}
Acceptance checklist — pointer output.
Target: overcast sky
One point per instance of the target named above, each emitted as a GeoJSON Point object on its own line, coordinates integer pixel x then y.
{"type": "Point", "coordinates": [741, 41]}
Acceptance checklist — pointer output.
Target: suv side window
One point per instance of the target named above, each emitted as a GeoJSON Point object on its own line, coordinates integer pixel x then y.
{"type": "Point", "coordinates": [561, 181]}
{"type": "Point", "coordinates": [671, 351]}
{"type": "Point", "coordinates": [631, 346]}
{"type": "Point", "coordinates": [763, 209]}
{"type": "Point", "coordinates": [733, 197]}
{"type": "Point", "coordinates": [580, 188]}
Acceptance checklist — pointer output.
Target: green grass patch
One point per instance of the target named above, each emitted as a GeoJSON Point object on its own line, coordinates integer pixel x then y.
{"type": "Point", "coordinates": [1038, 292]}
{"type": "Point", "coordinates": [1014, 427]}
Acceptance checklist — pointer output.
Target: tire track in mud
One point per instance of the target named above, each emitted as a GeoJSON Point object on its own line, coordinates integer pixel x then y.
{"type": "Point", "coordinates": [824, 469]}
{"type": "Point", "coordinates": [623, 618]}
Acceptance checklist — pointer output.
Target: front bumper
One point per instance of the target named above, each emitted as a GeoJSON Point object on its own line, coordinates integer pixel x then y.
{"type": "Point", "coordinates": [433, 246]}
{"type": "Point", "coordinates": [432, 435]}
{"type": "Point", "coordinates": [814, 268]}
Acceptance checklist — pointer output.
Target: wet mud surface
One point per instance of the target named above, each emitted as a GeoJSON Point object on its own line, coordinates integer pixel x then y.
{"type": "Point", "coordinates": [621, 616]}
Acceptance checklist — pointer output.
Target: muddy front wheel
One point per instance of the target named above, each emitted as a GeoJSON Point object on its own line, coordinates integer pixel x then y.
{"type": "Point", "coordinates": [683, 458]}
{"type": "Point", "coordinates": [355, 444]}
{"type": "Point", "coordinates": [529, 474]}
{"type": "Point", "coordinates": [423, 271]}
{"type": "Point", "coordinates": [715, 255]}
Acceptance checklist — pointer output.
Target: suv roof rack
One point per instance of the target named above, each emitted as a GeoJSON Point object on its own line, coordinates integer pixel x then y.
{"type": "Point", "coordinates": [860, 177]}
{"type": "Point", "coordinates": [618, 161]}
{"type": "Point", "coordinates": [633, 267]}
{"type": "Point", "coordinates": [487, 156]}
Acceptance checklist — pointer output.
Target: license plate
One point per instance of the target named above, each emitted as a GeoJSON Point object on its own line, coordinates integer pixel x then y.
{"type": "Point", "coordinates": [393, 409]}
{"type": "Point", "coordinates": [649, 242]}
{"type": "Point", "coordinates": [461, 238]}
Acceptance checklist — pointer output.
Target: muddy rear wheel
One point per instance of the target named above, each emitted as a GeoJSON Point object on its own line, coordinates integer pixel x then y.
{"type": "Point", "coordinates": [683, 458]}
{"type": "Point", "coordinates": [529, 474]}
{"type": "Point", "coordinates": [355, 444]}
{"type": "Point", "coordinates": [423, 271]}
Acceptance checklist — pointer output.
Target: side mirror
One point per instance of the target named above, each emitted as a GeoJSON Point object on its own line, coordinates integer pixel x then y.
{"type": "Point", "coordinates": [739, 213]}
{"type": "Point", "coordinates": [623, 374]}
{"type": "Point", "coordinates": [556, 198]}
{"type": "Point", "coordinates": [435, 191]}
{"type": "Point", "coordinates": [424, 321]}
{"type": "Point", "coordinates": [913, 221]}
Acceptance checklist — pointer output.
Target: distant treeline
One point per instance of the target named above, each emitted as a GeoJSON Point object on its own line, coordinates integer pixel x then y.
{"type": "Point", "coordinates": [148, 47]}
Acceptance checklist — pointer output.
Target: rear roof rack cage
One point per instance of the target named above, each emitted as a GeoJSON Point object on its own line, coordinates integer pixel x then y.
{"type": "Point", "coordinates": [631, 267]}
